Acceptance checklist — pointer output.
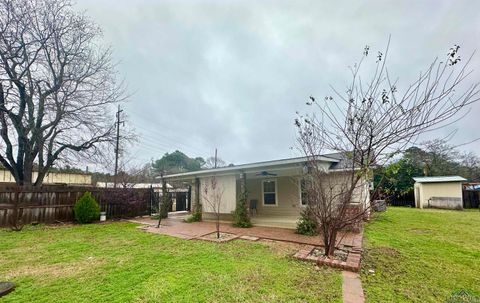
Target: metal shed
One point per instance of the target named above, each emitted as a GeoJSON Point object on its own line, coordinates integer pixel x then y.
{"type": "Point", "coordinates": [439, 192]}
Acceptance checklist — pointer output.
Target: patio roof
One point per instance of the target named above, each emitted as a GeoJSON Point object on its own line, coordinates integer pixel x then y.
{"type": "Point", "coordinates": [291, 162]}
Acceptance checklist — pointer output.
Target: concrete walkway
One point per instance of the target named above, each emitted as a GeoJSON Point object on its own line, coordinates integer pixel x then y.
{"type": "Point", "coordinates": [352, 291]}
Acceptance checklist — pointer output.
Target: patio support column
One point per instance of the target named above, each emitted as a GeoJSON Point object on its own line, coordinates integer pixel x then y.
{"type": "Point", "coordinates": [243, 182]}
{"type": "Point", "coordinates": [196, 191]}
{"type": "Point", "coordinates": [163, 208]}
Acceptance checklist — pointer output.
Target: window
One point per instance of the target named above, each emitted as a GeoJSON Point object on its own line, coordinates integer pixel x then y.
{"type": "Point", "coordinates": [303, 192]}
{"type": "Point", "coordinates": [269, 192]}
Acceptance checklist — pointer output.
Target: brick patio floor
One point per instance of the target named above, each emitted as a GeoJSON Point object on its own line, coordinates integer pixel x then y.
{"type": "Point", "coordinates": [176, 228]}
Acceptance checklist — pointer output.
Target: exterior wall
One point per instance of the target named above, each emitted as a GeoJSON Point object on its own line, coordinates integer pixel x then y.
{"type": "Point", "coordinates": [228, 185]}
{"type": "Point", "coordinates": [81, 179]}
{"type": "Point", "coordinates": [450, 194]}
{"type": "Point", "coordinates": [288, 197]}
{"type": "Point", "coordinates": [288, 194]}
{"type": "Point", "coordinates": [361, 194]}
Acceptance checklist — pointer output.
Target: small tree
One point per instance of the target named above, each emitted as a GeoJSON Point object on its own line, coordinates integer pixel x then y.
{"type": "Point", "coordinates": [86, 209]}
{"type": "Point", "coordinates": [213, 195]}
{"type": "Point", "coordinates": [164, 204]}
{"type": "Point", "coordinates": [367, 126]}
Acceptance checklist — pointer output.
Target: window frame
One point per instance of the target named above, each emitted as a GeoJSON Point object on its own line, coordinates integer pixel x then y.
{"type": "Point", "coordinates": [300, 196]}
{"type": "Point", "coordinates": [263, 193]}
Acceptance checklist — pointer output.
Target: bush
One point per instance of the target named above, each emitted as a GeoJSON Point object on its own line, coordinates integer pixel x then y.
{"type": "Point", "coordinates": [195, 217]}
{"type": "Point", "coordinates": [307, 225]}
{"type": "Point", "coordinates": [240, 215]}
{"type": "Point", "coordinates": [86, 209]}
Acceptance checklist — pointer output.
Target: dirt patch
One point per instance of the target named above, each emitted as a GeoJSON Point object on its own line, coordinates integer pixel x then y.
{"type": "Point", "coordinates": [384, 250]}
{"type": "Point", "coordinates": [224, 237]}
{"type": "Point", "coordinates": [56, 270]}
{"type": "Point", "coordinates": [282, 248]}
{"type": "Point", "coordinates": [421, 231]}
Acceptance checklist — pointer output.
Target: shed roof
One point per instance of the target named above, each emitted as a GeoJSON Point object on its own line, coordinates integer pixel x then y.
{"type": "Point", "coordinates": [439, 179]}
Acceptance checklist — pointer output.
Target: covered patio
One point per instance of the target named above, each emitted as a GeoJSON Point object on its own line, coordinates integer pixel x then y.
{"type": "Point", "coordinates": [273, 187]}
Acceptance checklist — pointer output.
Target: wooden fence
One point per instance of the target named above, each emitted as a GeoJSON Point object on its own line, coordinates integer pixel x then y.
{"type": "Point", "coordinates": [471, 198]}
{"type": "Point", "coordinates": [48, 204]}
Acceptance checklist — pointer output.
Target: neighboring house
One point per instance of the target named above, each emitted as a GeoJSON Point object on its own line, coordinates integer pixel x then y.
{"type": "Point", "coordinates": [439, 192]}
{"type": "Point", "coordinates": [52, 178]}
{"type": "Point", "coordinates": [274, 188]}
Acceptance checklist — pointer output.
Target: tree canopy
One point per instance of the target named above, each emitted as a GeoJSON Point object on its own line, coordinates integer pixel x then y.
{"type": "Point", "coordinates": [431, 158]}
{"type": "Point", "coordinates": [177, 162]}
{"type": "Point", "coordinates": [57, 86]}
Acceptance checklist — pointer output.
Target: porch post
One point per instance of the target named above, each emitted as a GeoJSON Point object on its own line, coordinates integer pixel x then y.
{"type": "Point", "coordinates": [196, 206]}
{"type": "Point", "coordinates": [243, 182]}
{"type": "Point", "coordinates": [163, 209]}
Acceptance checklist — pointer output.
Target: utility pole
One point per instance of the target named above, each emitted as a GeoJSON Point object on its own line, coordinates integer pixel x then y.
{"type": "Point", "coordinates": [119, 111]}
{"type": "Point", "coordinates": [215, 157]}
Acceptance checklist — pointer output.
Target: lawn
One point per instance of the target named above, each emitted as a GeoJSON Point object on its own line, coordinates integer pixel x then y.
{"type": "Point", "coordinates": [421, 255]}
{"type": "Point", "coordinates": [118, 263]}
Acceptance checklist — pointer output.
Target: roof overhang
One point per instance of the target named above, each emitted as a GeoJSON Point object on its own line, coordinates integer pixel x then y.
{"type": "Point", "coordinates": [269, 166]}
{"type": "Point", "coordinates": [439, 179]}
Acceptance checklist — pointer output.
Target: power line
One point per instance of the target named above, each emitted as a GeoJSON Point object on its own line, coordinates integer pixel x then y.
{"type": "Point", "coordinates": [174, 141]}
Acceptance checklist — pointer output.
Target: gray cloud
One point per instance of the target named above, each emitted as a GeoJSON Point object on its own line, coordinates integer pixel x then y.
{"type": "Point", "coordinates": [231, 75]}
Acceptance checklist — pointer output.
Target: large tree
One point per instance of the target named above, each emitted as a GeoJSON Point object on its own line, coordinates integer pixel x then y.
{"type": "Point", "coordinates": [177, 162]}
{"type": "Point", "coordinates": [374, 120]}
{"type": "Point", "coordinates": [57, 86]}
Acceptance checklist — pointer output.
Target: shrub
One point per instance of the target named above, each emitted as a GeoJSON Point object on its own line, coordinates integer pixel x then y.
{"type": "Point", "coordinates": [307, 225]}
{"type": "Point", "coordinates": [195, 217]}
{"type": "Point", "coordinates": [86, 209]}
{"type": "Point", "coordinates": [240, 215]}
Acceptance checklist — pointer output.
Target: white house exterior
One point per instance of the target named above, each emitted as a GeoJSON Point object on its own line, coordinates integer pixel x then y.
{"type": "Point", "coordinates": [273, 187]}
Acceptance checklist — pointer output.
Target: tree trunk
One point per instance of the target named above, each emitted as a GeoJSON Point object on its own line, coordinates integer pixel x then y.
{"type": "Point", "coordinates": [333, 239]}
{"type": "Point", "coordinates": [27, 172]}
{"type": "Point", "coordinates": [217, 225]}
{"type": "Point", "coordinates": [329, 241]}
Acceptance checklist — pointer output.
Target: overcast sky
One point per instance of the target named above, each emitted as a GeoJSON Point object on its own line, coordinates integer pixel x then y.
{"type": "Point", "coordinates": [231, 74]}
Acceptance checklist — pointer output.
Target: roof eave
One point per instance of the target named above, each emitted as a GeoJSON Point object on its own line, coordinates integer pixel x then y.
{"type": "Point", "coordinates": [244, 167]}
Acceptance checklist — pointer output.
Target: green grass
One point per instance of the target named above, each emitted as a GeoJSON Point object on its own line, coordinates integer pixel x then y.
{"type": "Point", "coordinates": [421, 255]}
{"type": "Point", "coordinates": [118, 263]}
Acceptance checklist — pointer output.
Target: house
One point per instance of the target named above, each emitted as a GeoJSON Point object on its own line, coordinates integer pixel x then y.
{"type": "Point", "coordinates": [274, 188]}
{"type": "Point", "coordinates": [439, 192]}
{"type": "Point", "coordinates": [77, 179]}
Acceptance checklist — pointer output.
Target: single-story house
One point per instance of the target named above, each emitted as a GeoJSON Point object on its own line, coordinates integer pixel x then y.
{"type": "Point", "coordinates": [439, 192]}
{"type": "Point", "coordinates": [274, 188]}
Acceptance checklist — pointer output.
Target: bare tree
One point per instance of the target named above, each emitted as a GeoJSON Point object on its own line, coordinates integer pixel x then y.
{"type": "Point", "coordinates": [213, 195]}
{"type": "Point", "coordinates": [57, 86]}
{"type": "Point", "coordinates": [210, 162]}
{"type": "Point", "coordinates": [370, 124]}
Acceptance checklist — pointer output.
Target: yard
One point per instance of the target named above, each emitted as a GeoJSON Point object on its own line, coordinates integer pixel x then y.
{"type": "Point", "coordinates": [421, 255]}
{"type": "Point", "coordinates": [118, 263]}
